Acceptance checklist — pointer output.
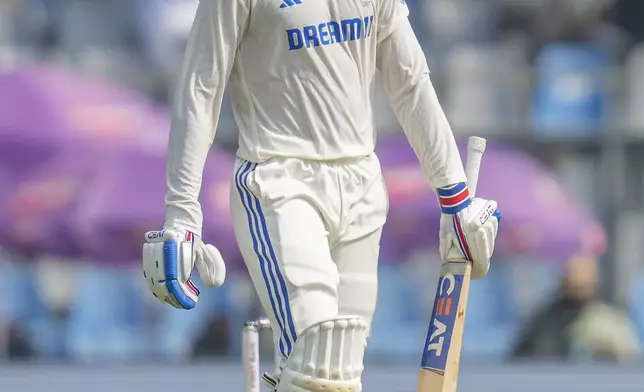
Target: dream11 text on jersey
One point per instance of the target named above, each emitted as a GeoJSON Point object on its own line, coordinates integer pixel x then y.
{"type": "Point", "coordinates": [328, 33]}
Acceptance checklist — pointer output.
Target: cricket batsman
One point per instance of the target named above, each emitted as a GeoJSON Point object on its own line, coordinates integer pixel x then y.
{"type": "Point", "coordinates": [308, 198]}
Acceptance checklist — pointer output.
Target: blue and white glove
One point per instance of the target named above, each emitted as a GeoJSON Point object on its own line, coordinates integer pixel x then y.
{"type": "Point", "coordinates": [169, 256]}
{"type": "Point", "coordinates": [468, 227]}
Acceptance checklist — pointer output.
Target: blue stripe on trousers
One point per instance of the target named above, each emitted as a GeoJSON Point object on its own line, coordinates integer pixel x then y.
{"type": "Point", "coordinates": [272, 264]}
{"type": "Point", "coordinates": [241, 178]}
{"type": "Point", "coordinates": [289, 315]}
{"type": "Point", "coordinates": [262, 260]}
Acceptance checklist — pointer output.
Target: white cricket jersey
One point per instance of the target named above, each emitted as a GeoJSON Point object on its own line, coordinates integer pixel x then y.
{"type": "Point", "coordinates": [301, 75]}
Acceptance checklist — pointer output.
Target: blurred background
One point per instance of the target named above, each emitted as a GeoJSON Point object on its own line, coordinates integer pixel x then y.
{"type": "Point", "coordinates": [556, 86]}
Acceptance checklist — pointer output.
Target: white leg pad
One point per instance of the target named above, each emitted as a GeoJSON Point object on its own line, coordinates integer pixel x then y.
{"type": "Point", "coordinates": [327, 357]}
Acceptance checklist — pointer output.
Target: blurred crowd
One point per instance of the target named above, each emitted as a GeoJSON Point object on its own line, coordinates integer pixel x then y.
{"type": "Point", "coordinates": [502, 67]}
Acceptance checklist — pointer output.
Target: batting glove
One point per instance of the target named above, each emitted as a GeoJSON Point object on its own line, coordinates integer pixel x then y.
{"type": "Point", "coordinates": [169, 256]}
{"type": "Point", "coordinates": [468, 228]}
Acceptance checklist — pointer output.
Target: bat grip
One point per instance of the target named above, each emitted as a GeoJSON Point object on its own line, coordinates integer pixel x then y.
{"type": "Point", "coordinates": [475, 150]}
{"type": "Point", "coordinates": [472, 171]}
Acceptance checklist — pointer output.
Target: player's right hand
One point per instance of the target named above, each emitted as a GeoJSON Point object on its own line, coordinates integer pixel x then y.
{"type": "Point", "coordinates": [468, 228]}
{"type": "Point", "coordinates": [169, 256]}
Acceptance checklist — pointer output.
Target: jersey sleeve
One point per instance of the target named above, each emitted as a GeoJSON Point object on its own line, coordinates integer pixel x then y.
{"type": "Point", "coordinates": [390, 13]}
{"type": "Point", "coordinates": [210, 53]}
{"type": "Point", "coordinates": [406, 80]}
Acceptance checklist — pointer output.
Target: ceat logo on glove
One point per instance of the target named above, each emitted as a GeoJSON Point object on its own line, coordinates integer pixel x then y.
{"type": "Point", "coordinates": [485, 215]}
{"type": "Point", "coordinates": [155, 234]}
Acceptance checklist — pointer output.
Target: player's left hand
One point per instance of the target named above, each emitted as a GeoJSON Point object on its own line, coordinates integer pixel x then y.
{"type": "Point", "coordinates": [468, 228]}
{"type": "Point", "coordinates": [169, 256]}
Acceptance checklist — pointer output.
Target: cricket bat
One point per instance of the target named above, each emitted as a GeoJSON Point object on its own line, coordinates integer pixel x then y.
{"type": "Point", "coordinates": [442, 351]}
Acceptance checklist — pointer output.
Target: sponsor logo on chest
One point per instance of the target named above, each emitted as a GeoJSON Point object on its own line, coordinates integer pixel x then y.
{"type": "Point", "coordinates": [329, 33]}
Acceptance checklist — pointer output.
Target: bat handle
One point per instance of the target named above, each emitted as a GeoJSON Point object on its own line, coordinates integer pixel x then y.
{"type": "Point", "coordinates": [475, 149]}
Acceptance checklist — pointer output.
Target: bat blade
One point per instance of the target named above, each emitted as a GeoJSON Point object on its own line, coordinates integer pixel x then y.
{"type": "Point", "coordinates": [442, 351]}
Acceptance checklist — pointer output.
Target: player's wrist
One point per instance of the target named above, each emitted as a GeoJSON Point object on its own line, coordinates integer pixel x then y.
{"type": "Point", "coordinates": [182, 227]}
{"type": "Point", "coordinates": [453, 198]}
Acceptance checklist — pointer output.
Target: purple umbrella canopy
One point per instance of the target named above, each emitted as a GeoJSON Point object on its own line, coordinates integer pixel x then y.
{"type": "Point", "coordinates": [55, 125]}
{"type": "Point", "coordinates": [51, 107]}
{"type": "Point", "coordinates": [126, 199]}
{"type": "Point", "coordinates": [40, 205]}
{"type": "Point", "coordinates": [45, 111]}
{"type": "Point", "coordinates": [6, 186]}
{"type": "Point", "coordinates": [539, 217]}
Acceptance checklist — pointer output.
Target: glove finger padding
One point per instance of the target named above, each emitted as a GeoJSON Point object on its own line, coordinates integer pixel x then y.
{"type": "Point", "coordinates": [469, 233]}
{"type": "Point", "coordinates": [153, 271]}
{"type": "Point", "coordinates": [167, 264]}
{"type": "Point", "coordinates": [483, 254]}
{"type": "Point", "coordinates": [485, 226]}
{"type": "Point", "coordinates": [210, 264]}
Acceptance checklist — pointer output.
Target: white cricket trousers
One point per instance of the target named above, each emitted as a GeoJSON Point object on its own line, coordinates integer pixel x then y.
{"type": "Point", "coordinates": [309, 233]}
